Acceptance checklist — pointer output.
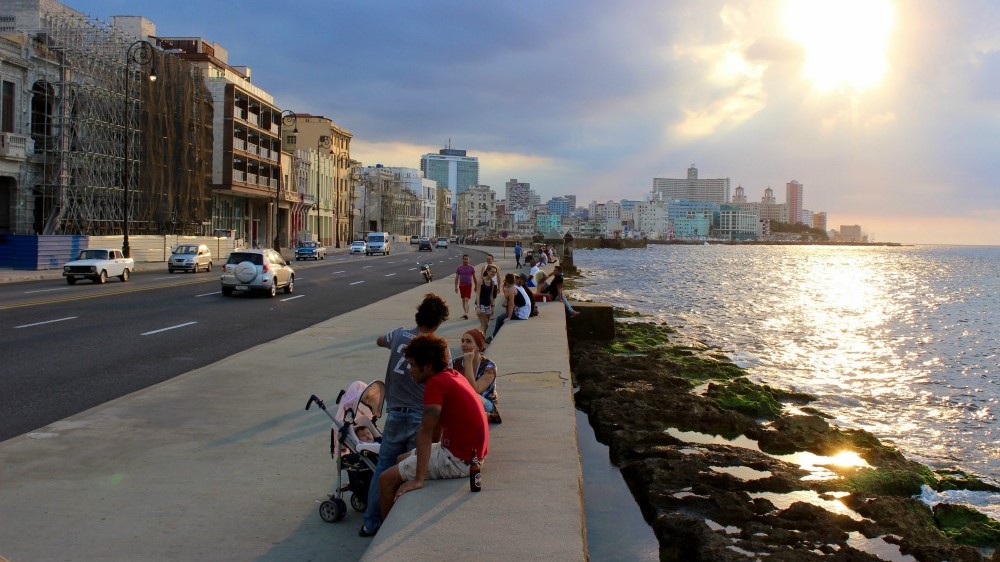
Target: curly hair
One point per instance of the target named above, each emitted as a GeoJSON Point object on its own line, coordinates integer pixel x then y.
{"type": "Point", "coordinates": [428, 350]}
{"type": "Point", "coordinates": [432, 312]}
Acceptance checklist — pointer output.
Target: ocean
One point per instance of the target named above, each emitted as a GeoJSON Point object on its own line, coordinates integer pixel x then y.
{"type": "Point", "coordinates": [903, 342]}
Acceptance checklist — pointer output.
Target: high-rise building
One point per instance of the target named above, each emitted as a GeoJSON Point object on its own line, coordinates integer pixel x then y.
{"type": "Point", "coordinates": [819, 220]}
{"type": "Point", "coordinates": [518, 195]}
{"type": "Point", "coordinates": [793, 199]}
{"type": "Point", "coordinates": [451, 168]}
{"type": "Point", "coordinates": [692, 188]}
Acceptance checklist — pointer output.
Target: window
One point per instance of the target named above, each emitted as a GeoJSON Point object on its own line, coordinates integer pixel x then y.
{"type": "Point", "coordinates": [7, 107]}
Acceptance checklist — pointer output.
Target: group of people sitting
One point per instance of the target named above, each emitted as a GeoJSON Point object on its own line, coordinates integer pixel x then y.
{"type": "Point", "coordinates": [438, 408]}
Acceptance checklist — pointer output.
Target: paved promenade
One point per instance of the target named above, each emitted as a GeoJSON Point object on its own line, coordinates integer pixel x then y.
{"type": "Point", "coordinates": [223, 463]}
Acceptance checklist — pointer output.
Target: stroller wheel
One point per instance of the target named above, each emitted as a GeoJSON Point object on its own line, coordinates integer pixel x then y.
{"type": "Point", "coordinates": [357, 503]}
{"type": "Point", "coordinates": [333, 510]}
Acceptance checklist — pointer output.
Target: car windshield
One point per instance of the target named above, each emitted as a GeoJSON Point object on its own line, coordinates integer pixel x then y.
{"type": "Point", "coordinates": [309, 245]}
{"type": "Point", "coordinates": [94, 255]}
{"type": "Point", "coordinates": [186, 250]}
{"type": "Point", "coordinates": [239, 257]}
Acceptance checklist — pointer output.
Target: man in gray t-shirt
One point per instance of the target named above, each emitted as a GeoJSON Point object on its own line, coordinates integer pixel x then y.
{"type": "Point", "coordinates": [404, 399]}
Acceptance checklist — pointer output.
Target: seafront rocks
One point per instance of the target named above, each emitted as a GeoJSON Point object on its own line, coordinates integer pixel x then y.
{"type": "Point", "coordinates": [715, 462]}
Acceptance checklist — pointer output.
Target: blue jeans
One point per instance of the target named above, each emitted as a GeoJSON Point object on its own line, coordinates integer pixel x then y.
{"type": "Point", "coordinates": [398, 437]}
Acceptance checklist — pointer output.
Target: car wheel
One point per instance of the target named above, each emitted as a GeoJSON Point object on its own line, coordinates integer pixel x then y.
{"type": "Point", "coordinates": [290, 286]}
{"type": "Point", "coordinates": [101, 278]}
{"type": "Point", "coordinates": [170, 270]}
{"type": "Point", "coordinates": [208, 267]}
{"type": "Point", "coordinates": [227, 291]}
{"type": "Point", "coordinates": [124, 275]}
{"type": "Point", "coordinates": [71, 280]}
{"type": "Point", "coordinates": [273, 291]}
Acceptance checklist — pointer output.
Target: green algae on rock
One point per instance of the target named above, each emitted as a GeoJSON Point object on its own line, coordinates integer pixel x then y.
{"type": "Point", "coordinates": [966, 525]}
{"type": "Point", "coordinates": [638, 389]}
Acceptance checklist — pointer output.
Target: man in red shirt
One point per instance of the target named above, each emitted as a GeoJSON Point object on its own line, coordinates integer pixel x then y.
{"type": "Point", "coordinates": [465, 282]}
{"type": "Point", "coordinates": [452, 410]}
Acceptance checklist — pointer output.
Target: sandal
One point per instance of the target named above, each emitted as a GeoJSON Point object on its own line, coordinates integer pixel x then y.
{"type": "Point", "coordinates": [494, 416]}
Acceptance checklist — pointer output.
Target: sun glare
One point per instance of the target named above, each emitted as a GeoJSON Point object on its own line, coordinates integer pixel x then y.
{"type": "Point", "coordinates": [844, 41]}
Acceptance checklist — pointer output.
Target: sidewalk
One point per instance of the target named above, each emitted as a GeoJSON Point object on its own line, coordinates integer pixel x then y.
{"type": "Point", "coordinates": [223, 463]}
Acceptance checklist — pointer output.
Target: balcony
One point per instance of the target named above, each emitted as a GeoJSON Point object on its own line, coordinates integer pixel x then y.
{"type": "Point", "coordinates": [239, 113]}
{"type": "Point", "coordinates": [239, 144]}
{"type": "Point", "coordinates": [254, 119]}
{"type": "Point", "coordinates": [13, 146]}
{"type": "Point", "coordinates": [252, 179]}
{"type": "Point", "coordinates": [239, 175]}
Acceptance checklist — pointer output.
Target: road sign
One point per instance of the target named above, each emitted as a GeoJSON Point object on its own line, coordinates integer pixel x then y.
{"type": "Point", "coordinates": [503, 234]}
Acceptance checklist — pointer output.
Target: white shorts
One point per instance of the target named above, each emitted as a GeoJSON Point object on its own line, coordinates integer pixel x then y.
{"type": "Point", "coordinates": [442, 465]}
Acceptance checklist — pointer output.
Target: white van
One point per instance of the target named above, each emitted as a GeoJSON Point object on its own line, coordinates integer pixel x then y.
{"type": "Point", "coordinates": [378, 243]}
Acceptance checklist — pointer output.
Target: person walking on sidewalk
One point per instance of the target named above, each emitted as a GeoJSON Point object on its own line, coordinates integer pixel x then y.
{"type": "Point", "coordinates": [465, 283]}
{"type": "Point", "coordinates": [517, 254]}
{"type": "Point", "coordinates": [404, 399]}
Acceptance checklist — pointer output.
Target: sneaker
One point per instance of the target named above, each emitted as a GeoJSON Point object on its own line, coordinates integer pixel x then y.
{"type": "Point", "coordinates": [489, 340]}
{"type": "Point", "coordinates": [365, 533]}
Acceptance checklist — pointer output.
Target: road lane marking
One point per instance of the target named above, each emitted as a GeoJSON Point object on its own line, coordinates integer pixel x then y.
{"type": "Point", "coordinates": [366, 267]}
{"type": "Point", "coordinates": [389, 274]}
{"type": "Point", "coordinates": [207, 294]}
{"type": "Point", "coordinates": [162, 278]}
{"type": "Point", "coordinates": [413, 269]}
{"type": "Point", "coordinates": [80, 296]}
{"type": "Point", "coordinates": [292, 298]}
{"type": "Point", "coordinates": [170, 328]}
{"type": "Point", "coordinates": [356, 283]}
{"type": "Point", "coordinates": [46, 322]}
{"type": "Point", "coordinates": [336, 272]}
{"type": "Point", "coordinates": [47, 290]}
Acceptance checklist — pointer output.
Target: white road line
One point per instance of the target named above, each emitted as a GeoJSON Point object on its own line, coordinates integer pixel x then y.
{"type": "Point", "coordinates": [292, 298]}
{"type": "Point", "coordinates": [207, 294]}
{"type": "Point", "coordinates": [161, 278]}
{"type": "Point", "coordinates": [336, 272]}
{"type": "Point", "coordinates": [47, 290]}
{"type": "Point", "coordinates": [389, 274]}
{"type": "Point", "coordinates": [170, 328]}
{"type": "Point", "coordinates": [413, 269]}
{"type": "Point", "coordinates": [356, 282]}
{"type": "Point", "coordinates": [366, 267]}
{"type": "Point", "coordinates": [46, 322]}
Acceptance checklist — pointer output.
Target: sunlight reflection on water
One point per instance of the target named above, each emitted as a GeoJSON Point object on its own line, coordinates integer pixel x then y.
{"type": "Point", "coordinates": [900, 341]}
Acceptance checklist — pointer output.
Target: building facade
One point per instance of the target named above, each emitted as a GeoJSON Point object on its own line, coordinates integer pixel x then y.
{"type": "Point", "coordinates": [692, 188]}
{"type": "Point", "coordinates": [793, 199]}
{"type": "Point", "coordinates": [452, 168]}
{"type": "Point", "coordinates": [476, 211]}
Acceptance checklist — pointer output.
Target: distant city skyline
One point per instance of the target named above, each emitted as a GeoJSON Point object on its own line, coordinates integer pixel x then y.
{"type": "Point", "coordinates": [894, 131]}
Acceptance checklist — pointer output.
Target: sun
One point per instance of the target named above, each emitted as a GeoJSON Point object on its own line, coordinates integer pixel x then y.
{"type": "Point", "coordinates": [845, 41]}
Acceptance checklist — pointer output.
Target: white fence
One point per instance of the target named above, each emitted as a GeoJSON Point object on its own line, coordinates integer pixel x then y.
{"type": "Point", "coordinates": [157, 248]}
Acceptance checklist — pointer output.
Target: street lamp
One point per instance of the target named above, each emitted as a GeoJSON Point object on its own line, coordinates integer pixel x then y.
{"type": "Point", "coordinates": [288, 118]}
{"type": "Point", "coordinates": [324, 142]}
{"type": "Point", "coordinates": [141, 53]}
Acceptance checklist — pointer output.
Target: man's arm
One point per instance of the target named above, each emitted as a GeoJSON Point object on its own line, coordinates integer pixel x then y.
{"type": "Point", "coordinates": [425, 436]}
{"type": "Point", "coordinates": [456, 280]}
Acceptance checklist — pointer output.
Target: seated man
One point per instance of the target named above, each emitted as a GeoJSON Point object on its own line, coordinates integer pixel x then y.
{"type": "Point", "coordinates": [462, 426]}
{"type": "Point", "coordinates": [533, 272]}
{"type": "Point", "coordinates": [554, 288]}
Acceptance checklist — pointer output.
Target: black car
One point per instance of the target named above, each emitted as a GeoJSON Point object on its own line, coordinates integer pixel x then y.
{"type": "Point", "coordinates": [424, 244]}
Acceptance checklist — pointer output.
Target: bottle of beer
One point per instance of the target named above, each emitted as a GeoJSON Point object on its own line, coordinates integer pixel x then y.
{"type": "Point", "coordinates": [475, 479]}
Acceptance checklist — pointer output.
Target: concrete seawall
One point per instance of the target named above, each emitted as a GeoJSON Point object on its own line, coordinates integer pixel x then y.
{"type": "Point", "coordinates": [223, 463]}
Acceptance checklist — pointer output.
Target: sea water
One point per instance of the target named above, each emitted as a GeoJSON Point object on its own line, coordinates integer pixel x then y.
{"type": "Point", "coordinates": [903, 342]}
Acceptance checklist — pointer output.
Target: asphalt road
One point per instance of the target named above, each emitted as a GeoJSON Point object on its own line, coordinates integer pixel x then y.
{"type": "Point", "coordinates": [70, 348]}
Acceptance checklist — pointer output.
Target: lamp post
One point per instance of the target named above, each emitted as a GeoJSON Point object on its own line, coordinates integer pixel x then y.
{"type": "Point", "coordinates": [288, 118]}
{"type": "Point", "coordinates": [141, 53]}
{"type": "Point", "coordinates": [324, 142]}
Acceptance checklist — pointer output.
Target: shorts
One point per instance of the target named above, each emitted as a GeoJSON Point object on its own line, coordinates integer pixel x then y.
{"type": "Point", "coordinates": [482, 309]}
{"type": "Point", "coordinates": [465, 291]}
{"type": "Point", "coordinates": [441, 465]}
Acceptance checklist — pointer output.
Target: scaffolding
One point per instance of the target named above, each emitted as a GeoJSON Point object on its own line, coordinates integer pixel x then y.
{"type": "Point", "coordinates": [78, 124]}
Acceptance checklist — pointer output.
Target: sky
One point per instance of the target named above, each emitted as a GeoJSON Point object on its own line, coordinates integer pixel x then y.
{"type": "Point", "coordinates": [887, 111]}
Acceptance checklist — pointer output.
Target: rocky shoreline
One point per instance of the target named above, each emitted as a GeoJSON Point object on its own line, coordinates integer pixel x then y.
{"type": "Point", "coordinates": [727, 469]}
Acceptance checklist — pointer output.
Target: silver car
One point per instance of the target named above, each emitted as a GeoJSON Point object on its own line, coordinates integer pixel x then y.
{"type": "Point", "coordinates": [190, 257]}
{"type": "Point", "coordinates": [257, 270]}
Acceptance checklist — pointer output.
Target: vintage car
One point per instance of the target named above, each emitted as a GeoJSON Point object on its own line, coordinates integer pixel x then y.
{"type": "Point", "coordinates": [310, 251]}
{"type": "Point", "coordinates": [97, 264]}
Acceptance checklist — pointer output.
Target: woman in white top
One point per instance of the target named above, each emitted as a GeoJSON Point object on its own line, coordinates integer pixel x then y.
{"type": "Point", "coordinates": [518, 304]}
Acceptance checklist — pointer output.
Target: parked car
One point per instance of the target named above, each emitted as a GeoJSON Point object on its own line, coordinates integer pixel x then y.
{"type": "Point", "coordinates": [310, 251]}
{"type": "Point", "coordinates": [257, 270]}
{"type": "Point", "coordinates": [425, 245]}
{"type": "Point", "coordinates": [97, 264]}
{"type": "Point", "coordinates": [190, 257]}
{"type": "Point", "coordinates": [359, 247]}
{"type": "Point", "coordinates": [414, 239]}
{"type": "Point", "coordinates": [442, 242]}
{"type": "Point", "coordinates": [453, 239]}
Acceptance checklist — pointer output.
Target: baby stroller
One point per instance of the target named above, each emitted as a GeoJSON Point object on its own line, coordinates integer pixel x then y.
{"type": "Point", "coordinates": [359, 405]}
